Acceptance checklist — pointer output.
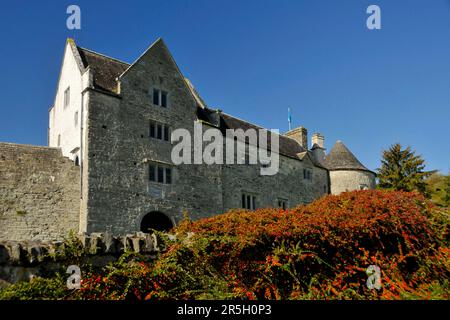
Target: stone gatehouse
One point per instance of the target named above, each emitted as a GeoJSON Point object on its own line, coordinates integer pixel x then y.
{"type": "Point", "coordinates": [108, 165]}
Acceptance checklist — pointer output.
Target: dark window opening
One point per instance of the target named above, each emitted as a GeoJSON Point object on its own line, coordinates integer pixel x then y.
{"type": "Point", "coordinates": [77, 161]}
{"type": "Point", "coordinates": [156, 97]}
{"type": "Point", "coordinates": [152, 173]}
{"type": "Point", "coordinates": [152, 130]}
{"type": "Point", "coordinates": [166, 133]}
{"type": "Point", "coordinates": [248, 202]}
{"type": "Point", "coordinates": [160, 175]}
{"type": "Point", "coordinates": [168, 176]}
{"type": "Point", "coordinates": [163, 99]}
{"type": "Point", "coordinates": [156, 221]}
{"type": "Point", "coordinates": [159, 132]}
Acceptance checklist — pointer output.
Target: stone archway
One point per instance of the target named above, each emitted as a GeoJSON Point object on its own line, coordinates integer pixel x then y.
{"type": "Point", "coordinates": [156, 220]}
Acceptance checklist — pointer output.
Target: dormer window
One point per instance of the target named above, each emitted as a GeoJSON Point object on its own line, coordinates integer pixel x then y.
{"type": "Point", "coordinates": [66, 97]}
{"type": "Point", "coordinates": [160, 98]}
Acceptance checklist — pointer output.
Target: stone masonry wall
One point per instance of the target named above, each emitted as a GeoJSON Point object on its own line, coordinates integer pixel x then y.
{"type": "Point", "coordinates": [39, 193]}
{"type": "Point", "coordinates": [119, 191]}
{"type": "Point", "coordinates": [120, 150]}
{"type": "Point", "coordinates": [349, 180]}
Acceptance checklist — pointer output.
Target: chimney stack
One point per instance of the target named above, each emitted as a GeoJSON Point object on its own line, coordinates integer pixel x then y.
{"type": "Point", "coordinates": [318, 147]}
{"type": "Point", "coordinates": [300, 135]}
{"type": "Point", "coordinates": [318, 139]}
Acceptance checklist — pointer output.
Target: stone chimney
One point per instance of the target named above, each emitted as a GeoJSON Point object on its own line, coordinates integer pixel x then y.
{"type": "Point", "coordinates": [300, 135]}
{"type": "Point", "coordinates": [318, 147]}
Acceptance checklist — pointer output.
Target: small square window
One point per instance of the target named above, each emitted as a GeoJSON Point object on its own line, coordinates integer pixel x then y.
{"type": "Point", "coordinates": [283, 204]}
{"type": "Point", "coordinates": [248, 201]}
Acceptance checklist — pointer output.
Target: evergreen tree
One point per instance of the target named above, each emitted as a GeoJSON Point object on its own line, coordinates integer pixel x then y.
{"type": "Point", "coordinates": [402, 170]}
{"type": "Point", "coordinates": [446, 196]}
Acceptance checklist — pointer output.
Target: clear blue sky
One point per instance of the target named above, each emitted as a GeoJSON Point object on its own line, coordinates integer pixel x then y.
{"type": "Point", "coordinates": [253, 59]}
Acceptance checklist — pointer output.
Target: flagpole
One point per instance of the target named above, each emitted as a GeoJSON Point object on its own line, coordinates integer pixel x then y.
{"type": "Point", "coordinates": [289, 118]}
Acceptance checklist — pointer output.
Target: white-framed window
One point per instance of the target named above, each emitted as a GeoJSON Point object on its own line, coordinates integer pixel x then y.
{"type": "Point", "coordinates": [248, 201]}
{"type": "Point", "coordinates": [282, 203]}
{"type": "Point", "coordinates": [75, 119]}
{"type": "Point", "coordinates": [160, 97]}
{"type": "Point", "coordinates": [159, 131]}
{"type": "Point", "coordinates": [66, 97]}
{"type": "Point", "coordinates": [307, 174]}
{"type": "Point", "coordinates": [159, 173]}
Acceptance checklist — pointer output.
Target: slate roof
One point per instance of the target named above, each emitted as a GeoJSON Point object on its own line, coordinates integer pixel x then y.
{"type": "Point", "coordinates": [287, 147]}
{"type": "Point", "coordinates": [341, 158]}
{"type": "Point", "coordinates": [105, 69]}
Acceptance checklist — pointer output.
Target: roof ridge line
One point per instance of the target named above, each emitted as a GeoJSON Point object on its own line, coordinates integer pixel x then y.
{"type": "Point", "coordinates": [104, 55]}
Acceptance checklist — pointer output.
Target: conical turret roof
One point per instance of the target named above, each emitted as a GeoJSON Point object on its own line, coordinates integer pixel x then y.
{"type": "Point", "coordinates": [341, 158]}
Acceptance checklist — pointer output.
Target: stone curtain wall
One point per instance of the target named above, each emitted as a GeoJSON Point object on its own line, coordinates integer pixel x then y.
{"type": "Point", "coordinates": [39, 193]}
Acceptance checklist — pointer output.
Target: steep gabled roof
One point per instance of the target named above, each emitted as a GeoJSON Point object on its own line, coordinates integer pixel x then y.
{"type": "Point", "coordinates": [341, 158]}
{"type": "Point", "coordinates": [105, 69]}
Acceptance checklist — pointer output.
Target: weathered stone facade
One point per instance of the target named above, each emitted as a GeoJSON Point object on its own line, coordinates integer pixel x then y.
{"type": "Point", "coordinates": [114, 104]}
{"type": "Point", "coordinates": [39, 193]}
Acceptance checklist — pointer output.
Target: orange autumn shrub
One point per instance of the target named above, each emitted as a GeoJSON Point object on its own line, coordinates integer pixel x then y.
{"type": "Point", "coordinates": [317, 251]}
{"type": "Point", "coordinates": [322, 250]}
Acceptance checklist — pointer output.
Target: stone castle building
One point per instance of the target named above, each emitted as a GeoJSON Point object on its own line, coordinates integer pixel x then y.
{"type": "Point", "coordinates": [108, 165]}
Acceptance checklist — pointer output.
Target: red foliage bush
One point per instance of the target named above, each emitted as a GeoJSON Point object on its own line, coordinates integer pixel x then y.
{"type": "Point", "coordinates": [317, 251]}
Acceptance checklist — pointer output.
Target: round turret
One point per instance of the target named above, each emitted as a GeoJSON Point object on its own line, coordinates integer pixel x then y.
{"type": "Point", "coordinates": [346, 172]}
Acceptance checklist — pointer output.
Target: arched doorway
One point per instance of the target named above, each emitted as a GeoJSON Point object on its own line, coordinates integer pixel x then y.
{"type": "Point", "coordinates": [157, 221]}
